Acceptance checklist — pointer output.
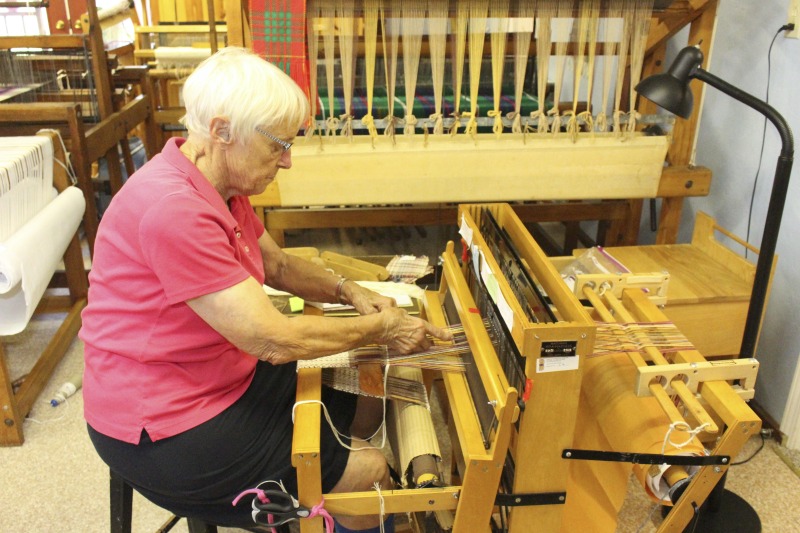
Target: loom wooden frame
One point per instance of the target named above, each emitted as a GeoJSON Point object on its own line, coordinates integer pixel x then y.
{"type": "Point", "coordinates": [717, 401]}
{"type": "Point", "coordinates": [104, 139]}
{"type": "Point", "coordinates": [554, 395]}
{"type": "Point", "coordinates": [85, 146]}
{"type": "Point", "coordinates": [679, 180]}
{"type": "Point", "coordinates": [480, 468]}
{"type": "Point", "coordinates": [15, 406]}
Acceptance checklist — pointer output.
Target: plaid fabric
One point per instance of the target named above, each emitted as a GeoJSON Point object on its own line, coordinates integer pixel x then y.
{"type": "Point", "coordinates": [408, 268]}
{"type": "Point", "coordinates": [278, 28]}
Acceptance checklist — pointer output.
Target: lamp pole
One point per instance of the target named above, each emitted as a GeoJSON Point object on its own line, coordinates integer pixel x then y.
{"type": "Point", "coordinates": [670, 90]}
{"type": "Point", "coordinates": [777, 201]}
{"type": "Point", "coordinates": [667, 89]}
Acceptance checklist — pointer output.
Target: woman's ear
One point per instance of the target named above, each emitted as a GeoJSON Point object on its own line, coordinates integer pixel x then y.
{"type": "Point", "coordinates": [221, 130]}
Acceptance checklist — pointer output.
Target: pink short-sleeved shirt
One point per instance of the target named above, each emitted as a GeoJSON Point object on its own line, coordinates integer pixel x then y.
{"type": "Point", "coordinates": [150, 362]}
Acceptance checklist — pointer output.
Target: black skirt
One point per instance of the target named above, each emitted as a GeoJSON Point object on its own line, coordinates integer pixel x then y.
{"type": "Point", "coordinates": [199, 472]}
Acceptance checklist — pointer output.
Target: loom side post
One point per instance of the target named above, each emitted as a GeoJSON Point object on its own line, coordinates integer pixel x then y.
{"type": "Point", "coordinates": [11, 429]}
{"type": "Point", "coordinates": [306, 444]}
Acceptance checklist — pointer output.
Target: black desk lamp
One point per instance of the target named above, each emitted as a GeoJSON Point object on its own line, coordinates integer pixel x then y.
{"type": "Point", "coordinates": [671, 91]}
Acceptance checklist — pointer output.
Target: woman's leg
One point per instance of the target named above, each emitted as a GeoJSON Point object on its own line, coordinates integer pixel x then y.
{"type": "Point", "coordinates": [364, 468]}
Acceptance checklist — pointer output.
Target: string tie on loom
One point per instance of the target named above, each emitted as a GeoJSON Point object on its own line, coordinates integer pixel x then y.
{"type": "Point", "coordinates": [319, 510]}
{"type": "Point", "coordinates": [633, 117]}
{"type": "Point", "coordinates": [347, 129]}
{"type": "Point", "coordinates": [516, 121]}
{"type": "Point", "coordinates": [411, 122]}
{"type": "Point", "coordinates": [369, 122]}
{"type": "Point", "coordinates": [541, 120]}
{"type": "Point", "coordinates": [497, 127]}
{"type": "Point", "coordinates": [438, 123]}
{"type": "Point", "coordinates": [681, 426]}
{"type": "Point", "coordinates": [472, 124]}
{"type": "Point", "coordinates": [389, 130]}
{"type": "Point", "coordinates": [73, 177]}
{"type": "Point", "coordinates": [456, 122]}
{"type": "Point", "coordinates": [377, 487]}
{"type": "Point", "coordinates": [618, 122]}
{"type": "Point", "coordinates": [572, 125]}
{"type": "Point", "coordinates": [332, 124]}
{"type": "Point", "coordinates": [602, 122]}
{"type": "Point", "coordinates": [527, 128]}
{"type": "Point", "coordinates": [586, 117]}
{"type": "Point", "coordinates": [556, 128]}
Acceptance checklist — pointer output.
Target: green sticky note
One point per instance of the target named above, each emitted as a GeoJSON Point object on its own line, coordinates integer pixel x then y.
{"type": "Point", "coordinates": [296, 304]}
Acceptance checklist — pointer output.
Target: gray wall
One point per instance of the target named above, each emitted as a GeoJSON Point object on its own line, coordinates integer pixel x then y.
{"type": "Point", "coordinates": [729, 143]}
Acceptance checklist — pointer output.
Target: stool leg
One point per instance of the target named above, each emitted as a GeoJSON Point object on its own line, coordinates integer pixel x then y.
{"type": "Point", "coordinates": [199, 526]}
{"type": "Point", "coordinates": [121, 504]}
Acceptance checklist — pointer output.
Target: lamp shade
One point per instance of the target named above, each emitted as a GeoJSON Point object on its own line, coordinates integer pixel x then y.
{"type": "Point", "coordinates": [670, 90]}
{"type": "Point", "coordinates": [669, 93]}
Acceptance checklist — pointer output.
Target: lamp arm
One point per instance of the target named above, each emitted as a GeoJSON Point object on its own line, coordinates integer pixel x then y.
{"type": "Point", "coordinates": [772, 223]}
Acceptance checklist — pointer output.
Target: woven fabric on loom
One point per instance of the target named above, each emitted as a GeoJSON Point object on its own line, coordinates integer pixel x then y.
{"type": "Point", "coordinates": [278, 29]}
{"type": "Point", "coordinates": [337, 360]}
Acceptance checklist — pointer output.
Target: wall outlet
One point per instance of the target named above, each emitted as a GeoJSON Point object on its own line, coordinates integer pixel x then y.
{"type": "Point", "coordinates": [794, 18]}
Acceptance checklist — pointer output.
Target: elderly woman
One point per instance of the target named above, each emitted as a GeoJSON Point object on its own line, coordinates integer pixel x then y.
{"type": "Point", "coordinates": [190, 376]}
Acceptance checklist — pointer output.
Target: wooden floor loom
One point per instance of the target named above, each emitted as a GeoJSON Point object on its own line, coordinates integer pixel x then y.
{"type": "Point", "coordinates": [400, 129]}
{"type": "Point", "coordinates": [600, 386]}
{"type": "Point", "coordinates": [473, 500]}
{"type": "Point", "coordinates": [88, 106]}
{"type": "Point", "coordinates": [86, 143]}
{"type": "Point", "coordinates": [16, 404]}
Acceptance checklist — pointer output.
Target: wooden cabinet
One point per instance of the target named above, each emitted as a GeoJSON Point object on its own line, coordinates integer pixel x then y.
{"type": "Point", "coordinates": [64, 16]}
{"type": "Point", "coordinates": [709, 286]}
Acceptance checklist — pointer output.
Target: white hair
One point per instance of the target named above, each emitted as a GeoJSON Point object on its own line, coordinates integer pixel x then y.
{"type": "Point", "coordinates": [238, 85]}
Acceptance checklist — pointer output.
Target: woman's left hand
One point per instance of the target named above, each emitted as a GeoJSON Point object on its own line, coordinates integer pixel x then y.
{"type": "Point", "coordinates": [364, 300]}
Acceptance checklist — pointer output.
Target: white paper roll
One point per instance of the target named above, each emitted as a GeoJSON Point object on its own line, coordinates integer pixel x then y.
{"type": "Point", "coordinates": [30, 256]}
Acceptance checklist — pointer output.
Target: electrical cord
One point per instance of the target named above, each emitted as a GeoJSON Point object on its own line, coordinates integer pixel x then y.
{"type": "Point", "coordinates": [761, 447]}
{"type": "Point", "coordinates": [785, 27]}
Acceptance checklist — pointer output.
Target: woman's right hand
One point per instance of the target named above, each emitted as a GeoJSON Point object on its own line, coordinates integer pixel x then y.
{"type": "Point", "coordinates": [406, 334]}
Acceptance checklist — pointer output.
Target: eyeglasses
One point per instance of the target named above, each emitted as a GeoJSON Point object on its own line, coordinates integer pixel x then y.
{"type": "Point", "coordinates": [286, 145]}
